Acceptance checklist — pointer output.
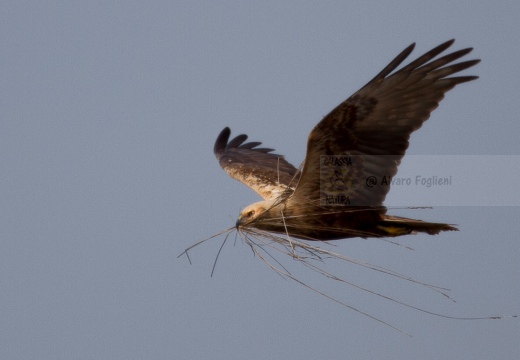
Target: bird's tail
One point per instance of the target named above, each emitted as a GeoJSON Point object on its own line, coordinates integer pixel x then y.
{"type": "Point", "coordinates": [396, 226]}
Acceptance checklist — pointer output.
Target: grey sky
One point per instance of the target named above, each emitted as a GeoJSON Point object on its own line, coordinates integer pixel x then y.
{"type": "Point", "coordinates": [109, 111]}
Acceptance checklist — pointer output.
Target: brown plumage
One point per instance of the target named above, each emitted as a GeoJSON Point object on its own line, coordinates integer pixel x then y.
{"type": "Point", "coordinates": [366, 136]}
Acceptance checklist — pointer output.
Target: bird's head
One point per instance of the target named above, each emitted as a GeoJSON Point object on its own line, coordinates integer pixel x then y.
{"type": "Point", "coordinates": [252, 212]}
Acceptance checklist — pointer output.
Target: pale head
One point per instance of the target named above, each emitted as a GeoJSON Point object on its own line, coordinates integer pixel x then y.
{"type": "Point", "coordinates": [253, 211]}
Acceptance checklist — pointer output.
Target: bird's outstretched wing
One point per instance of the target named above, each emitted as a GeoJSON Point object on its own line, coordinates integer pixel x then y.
{"type": "Point", "coordinates": [268, 174]}
{"type": "Point", "coordinates": [372, 127]}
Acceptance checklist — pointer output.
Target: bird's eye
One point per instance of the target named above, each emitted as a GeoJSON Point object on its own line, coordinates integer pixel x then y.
{"type": "Point", "coordinates": [251, 213]}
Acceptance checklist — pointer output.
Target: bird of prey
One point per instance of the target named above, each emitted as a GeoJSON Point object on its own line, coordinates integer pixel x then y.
{"type": "Point", "coordinates": [338, 192]}
{"type": "Point", "coordinates": [352, 154]}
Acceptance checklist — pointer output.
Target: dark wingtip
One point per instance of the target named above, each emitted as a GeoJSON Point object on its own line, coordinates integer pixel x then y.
{"type": "Point", "coordinates": [409, 48]}
{"type": "Point", "coordinates": [445, 45]}
{"type": "Point", "coordinates": [440, 48]}
{"type": "Point", "coordinates": [236, 141]}
{"type": "Point", "coordinates": [221, 142]}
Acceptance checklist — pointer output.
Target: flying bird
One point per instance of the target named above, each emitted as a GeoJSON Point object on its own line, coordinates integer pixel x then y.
{"type": "Point", "coordinates": [352, 155]}
{"type": "Point", "coordinates": [339, 190]}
